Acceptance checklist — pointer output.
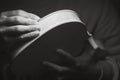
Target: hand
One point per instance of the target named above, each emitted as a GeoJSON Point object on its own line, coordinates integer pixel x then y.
{"type": "Point", "coordinates": [18, 25]}
{"type": "Point", "coordinates": [16, 28]}
{"type": "Point", "coordinates": [73, 68]}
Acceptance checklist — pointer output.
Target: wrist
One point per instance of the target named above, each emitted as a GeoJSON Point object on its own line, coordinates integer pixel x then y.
{"type": "Point", "coordinates": [98, 50]}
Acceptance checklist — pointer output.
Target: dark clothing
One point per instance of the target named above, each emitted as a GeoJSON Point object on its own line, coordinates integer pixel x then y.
{"type": "Point", "coordinates": [100, 17]}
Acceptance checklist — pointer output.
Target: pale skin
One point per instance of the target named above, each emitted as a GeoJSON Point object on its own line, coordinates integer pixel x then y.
{"type": "Point", "coordinates": [18, 25]}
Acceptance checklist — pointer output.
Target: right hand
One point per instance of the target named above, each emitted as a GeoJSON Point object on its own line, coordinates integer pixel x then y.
{"type": "Point", "coordinates": [18, 25]}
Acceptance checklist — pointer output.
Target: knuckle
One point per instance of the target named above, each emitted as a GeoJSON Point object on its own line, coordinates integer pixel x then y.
{"type": "Point", "coordinates": [2, 15]}
{"type": "Point", "coordinates": [17, 19]}
{"type": "Point", "coordinates": [19, 12]}
{"type": "Point", "coordinates": [17, 28]}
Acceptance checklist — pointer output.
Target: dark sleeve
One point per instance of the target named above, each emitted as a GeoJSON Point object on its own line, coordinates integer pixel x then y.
{"type": "Point", "coordinates": [107, 31]}
{"type": "Point", "coordinates": [108, 28]}
{"type": "Point", "coordinates": [102, 20]}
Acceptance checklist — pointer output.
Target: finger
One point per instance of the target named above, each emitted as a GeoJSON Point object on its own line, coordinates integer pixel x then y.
{"type": "Point", "coordinates": [18, 30]}
{"type": "Point", "coordinates": [30, 35]}
{"type": "Point", "coordinates": [55, 66]}
{"type": "Point", "coordinates": [20, 13]}
{"type": "Point", "coordinates": [24, 37]}
{"type": "Point", "coordinates": [17, 20]}
{"type": "Point", "coordinates": [65, 54]}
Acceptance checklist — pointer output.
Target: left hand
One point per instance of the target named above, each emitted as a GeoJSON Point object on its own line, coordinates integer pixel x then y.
{"type": "Point", "coordinates": [73, 68]}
